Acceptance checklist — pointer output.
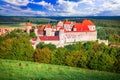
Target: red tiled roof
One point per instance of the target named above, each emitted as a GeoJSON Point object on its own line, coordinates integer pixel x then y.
{"type": "Point", "coordinates": [28, 24]}
{"type": "Point", "coordinates": [74, 23]}
{"type": "Point", "coordinates": [87, 22]}
{"type": "Point", "coordinates": [77, 31]}
{"type": "Point", "coordinates": [55, 27]}
{"type": "Point", "coordinates": [48, 26]}
{"type": "Point", "coordinates": [45, 38]}
{"type": "Point", "coordinates": [61, 28]}
{"type": "Point", "coordinates": [83, 26]}
{"type": "Point", "coordinates": [34, 39]}
{"type": "Point", "coordinates": [42, 28]}
{"type": "Point", "coordinates": [53, 30]}
{"type": "Point", "coordinates": [114, 45]}
{"type": "Point", "coordinates": [78, 26]}
{"type": "Point", "coordinates": [66, 22]}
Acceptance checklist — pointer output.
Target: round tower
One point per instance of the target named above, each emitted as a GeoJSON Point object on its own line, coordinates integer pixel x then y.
{"type": "Point", "coordinates": [48, 30]}
{"type": "Point", "coordinates": [29, 27]}
{"type": "Point", "coordinates": [36, 31]}
{"type": "Point", "coordinates": [61, 36]}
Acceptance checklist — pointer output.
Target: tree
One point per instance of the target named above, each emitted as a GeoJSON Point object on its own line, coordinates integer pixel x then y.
{"type": "Point", "coordinates": [43, 45]}
{"type": "Point", "coordinates": [115, 53]}
{"type": "Point", "coordinates": [117, 64]}
{"type": "Point", "coordinates": [42, 55]}
{"type": "Point", "coordinates": [93, 60]}
{"type": "Point", "coordinates": [32, 35]}
{"type": "Point", "coordinates": [40, 45]}
{"type": "Point", "coordinates": [51, 46]}
{"type": "Point", "coordinates": [88, 46]}
{"type": "Point", "coordinates": [114, 39]}
{"type": "Point", "coordinates": [75, 46]}
{"type": "Point", "coordinates": [76, 58]}
{"type": "Point", "coordinates": [58, 56]}
{"type": "Point", "coordinates": [106, 62]}
{"type": "Point", "coordinates": [101, 61]}
{"type": "Point", "coordinates": [16, 46]}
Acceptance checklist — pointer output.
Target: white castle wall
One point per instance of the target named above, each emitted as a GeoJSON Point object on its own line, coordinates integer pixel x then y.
{"type": "Point", "coordinates": [70, 38]}
{"type": "Point", "coordinates": [48, 31]}
{"type": "Point", "coordinates": [67, 27]}
{"type": "Point", "coordinates": [80, 36]}
{"type": "Point", "coordinates": [103, 41]}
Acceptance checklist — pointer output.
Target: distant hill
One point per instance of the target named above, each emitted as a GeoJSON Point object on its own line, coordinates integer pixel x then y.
{"type": "Point", "coordinates": [23, 70]}
{"type": "Point", "coordinates": [21, 19]}
{"type": "Point", "coordinates": [104, 21]}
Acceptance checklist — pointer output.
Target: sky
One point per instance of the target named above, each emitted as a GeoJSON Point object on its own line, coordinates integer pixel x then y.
{"type": "Point", "coordinates": [60, 7]}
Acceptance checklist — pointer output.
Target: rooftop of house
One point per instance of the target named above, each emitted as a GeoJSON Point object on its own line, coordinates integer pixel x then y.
{"type": "Point", "coordinates": [42, 27]}
{"type": "Point", "coordinates": [46, 38]}
{"type": "Point", "coordinates": [66, 22]}
{"type": "Point", "coordinates": [28, 24]}
{"type": "Point", "coordinates": [80, 27]}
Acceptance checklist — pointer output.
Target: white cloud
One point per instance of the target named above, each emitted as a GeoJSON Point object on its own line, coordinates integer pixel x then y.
{"type": "Point", "coordinates": [17, 2]}
{"type": "Point", "coordinates": [65, 7]}
{"type": "Point", "coordinates": [107, 6]}
{"type": "Point", "coordinates": [88, 7]}
{"type": "Point", "coordinates": [12, 10]}
{"type": "Point", "coordinates": [47, 5]}
{"type": "Point", "coordinates": [111, 5]}
{"type": "Point", "coordinates": [74, 8]}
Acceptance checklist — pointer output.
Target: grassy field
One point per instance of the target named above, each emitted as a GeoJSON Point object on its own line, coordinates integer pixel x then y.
{"type": "Point", "coordinates": [13, 25]}
{"type": "Point", "coordinates": [23, 70]}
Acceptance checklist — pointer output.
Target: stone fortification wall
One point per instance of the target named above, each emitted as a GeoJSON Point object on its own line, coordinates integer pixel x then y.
{"type": "Point", "coordinates": [80, 36]}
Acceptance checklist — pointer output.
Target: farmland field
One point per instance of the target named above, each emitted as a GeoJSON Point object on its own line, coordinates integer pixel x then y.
{"type": "Point", "coordinates": [12, 25]}
{"type": "Point", "coordinates": [25, 70]}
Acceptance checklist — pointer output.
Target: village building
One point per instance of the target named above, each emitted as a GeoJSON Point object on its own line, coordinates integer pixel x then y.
{"type": "Point", "coordinates": [5, 30]}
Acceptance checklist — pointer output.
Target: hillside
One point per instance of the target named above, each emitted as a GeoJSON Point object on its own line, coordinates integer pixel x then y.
{"type": "Point", "coordinates": [23, 70]}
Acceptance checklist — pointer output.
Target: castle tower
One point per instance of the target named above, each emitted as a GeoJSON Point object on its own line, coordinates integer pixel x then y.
{"type": "Point", "coordinates": [74, 29]}
{"type": "Point", "coordinates": [29, 27]}
{"type": "Point", "coordinates": [60, 23]}
{"type": "Point", "coordinates": [41, 30]}
{"type": "Point", "coordinates": [61, 36]}
{"type": "Point", "coordinates": [36, 31]}
{"type": "Point", "coordinates": [67, 25]}
{"type": "Point", "coordinates": [48, 30]}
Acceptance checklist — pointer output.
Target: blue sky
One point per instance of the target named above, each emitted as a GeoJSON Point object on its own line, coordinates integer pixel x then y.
{"type": "Point", "coordinates": [60, 7]}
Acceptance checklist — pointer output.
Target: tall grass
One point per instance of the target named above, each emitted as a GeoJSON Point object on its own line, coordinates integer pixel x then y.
{"type": "Point", "coordinates": [23, 70]}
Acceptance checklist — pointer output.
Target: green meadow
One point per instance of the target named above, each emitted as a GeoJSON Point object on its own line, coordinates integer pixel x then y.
{"type": "Point", "coordinates": [25, 70]}
{"type": "Point", "coordinates": [12, 25]}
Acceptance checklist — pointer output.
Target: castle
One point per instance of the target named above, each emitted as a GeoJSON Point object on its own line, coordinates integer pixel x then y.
{"type": "Point", "coordinates": [64, 33]}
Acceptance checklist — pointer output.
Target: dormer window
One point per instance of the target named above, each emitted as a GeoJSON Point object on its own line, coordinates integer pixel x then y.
{"type": "Point", "coordinates": [91, 27]}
